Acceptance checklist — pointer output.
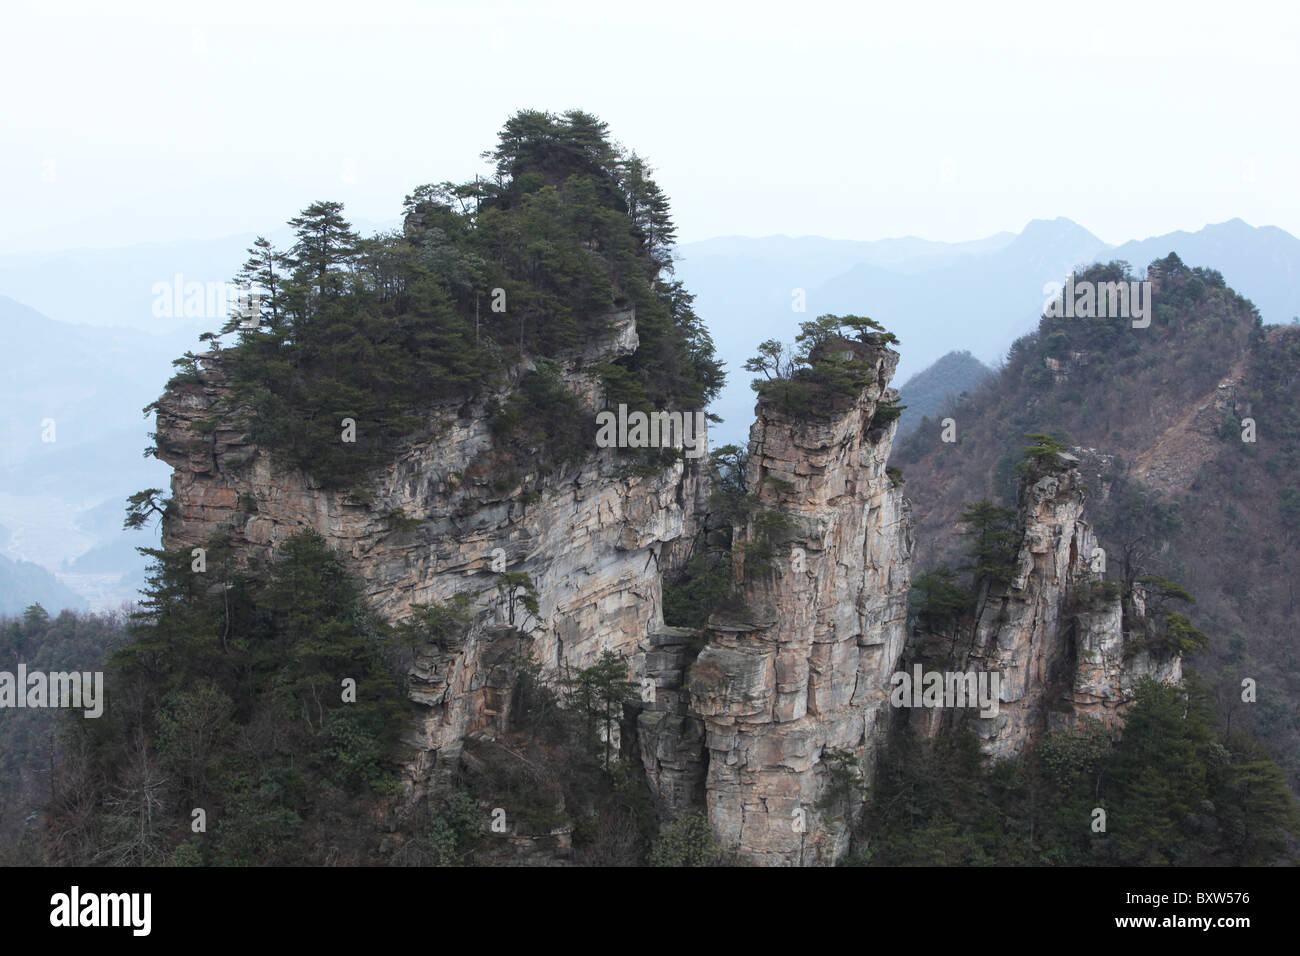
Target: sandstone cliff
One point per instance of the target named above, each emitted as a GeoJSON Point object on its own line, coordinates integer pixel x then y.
{"type": "Point", "coordinates": [749, 719]}
{"type": "Point", "coordinates": [1063, 646]}
{"type": "Point", "coordinates": [771, 717]}
{"type": "Point", "coordinates": [592, 537]}
{"type": "Point", "coordinates": [793, 692]}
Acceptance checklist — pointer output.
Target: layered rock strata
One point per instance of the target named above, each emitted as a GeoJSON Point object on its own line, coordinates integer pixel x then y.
{"type": "Point", "coordinates": [794, 689]}
{"type": "Point", "coordinates": [1060, 645]}
{"type": "Point", "coordinates": [594, 539]}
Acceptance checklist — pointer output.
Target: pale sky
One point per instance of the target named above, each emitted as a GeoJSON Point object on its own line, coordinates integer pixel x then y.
{"type": "Point", "coordinates": [131, 122]}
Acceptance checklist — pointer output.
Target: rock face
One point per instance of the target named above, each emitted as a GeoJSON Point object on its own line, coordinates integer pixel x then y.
{"type": "Point", "coordinates": [754, 719]}
{"type": "Point", "coordinates": [1106, 670]}
{"type": "Point", "coordinates": [593, 538]}
{"type": "Point", "coordinates": [1061, 651]}
{"type": "Point", "coordinates": [1020, 630]}
{"type": "Point", "coordinates": [670, 734]}
{"type": "Point", "coordinates": [795, 688]}
{"type": "Point", "coordinates": [1180, 451]}
{"type": "Point", "coordinates": [771, 717]}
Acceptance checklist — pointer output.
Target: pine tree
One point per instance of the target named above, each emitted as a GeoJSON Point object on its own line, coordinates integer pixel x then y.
{"type": "Point", "coordinates": [261, 274]}
{"type": "Point", "coordinates": [598, 692]}
{"type": "Point", "coordinates": [325, 246]}
{"type": "Point", "coordinates": [992, 552]}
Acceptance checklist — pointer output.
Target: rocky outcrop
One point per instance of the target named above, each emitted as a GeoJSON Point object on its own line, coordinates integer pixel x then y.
{"type": "Point", "coordinates": [1021, 632]}
{"type": "Point", "coordinates": [1109, 662]}
{"type": "Point", "coordinates": [594, 539]}
{"type": "Point", "coordinates": [669, 733]}
{"type": "Point", "coordinates": [770, 718]}
{"type": "Point", "coordinates": [1058, 640]}
{"type": "Point", "coordinates": [792, 691]}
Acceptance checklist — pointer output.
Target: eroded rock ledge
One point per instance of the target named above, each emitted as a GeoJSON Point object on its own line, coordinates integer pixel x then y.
{"type": "Point", "coordinates": [595, 539]}
{"type": "Point", "coordinates": [750, 718]}
{"type": "Point", "coordinates": [800, 681]}
{"type": "Point", "coordinates": [1059, 659]}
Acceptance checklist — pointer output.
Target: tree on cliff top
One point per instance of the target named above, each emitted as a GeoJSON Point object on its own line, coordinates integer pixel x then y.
{"type": "Point", "coordinates": [524, 265]}
{"type": "Point", "coordinates": [829, 366]}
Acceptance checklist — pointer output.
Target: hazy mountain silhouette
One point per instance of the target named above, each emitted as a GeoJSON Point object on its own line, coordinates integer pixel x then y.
{"type": "Point", "coordinates": [942, 297]}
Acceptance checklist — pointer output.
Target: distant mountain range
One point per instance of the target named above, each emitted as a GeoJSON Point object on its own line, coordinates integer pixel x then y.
{"type": "Point", "coordinates": [930, 392]}
{"type": "Point", "coordinates": [72, 434]}
{"type": "Point", "coordinates": [943, 297]}
{"type": "Point", "coordinates": [117, 286]}
{"type": "Point", "coordinates": [23, 584]}
{"type": "Point", "coordinates": [83, 346]}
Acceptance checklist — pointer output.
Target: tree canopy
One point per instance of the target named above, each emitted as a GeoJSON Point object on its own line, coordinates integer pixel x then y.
{"type": "Point", "coordinates": [528, 264]}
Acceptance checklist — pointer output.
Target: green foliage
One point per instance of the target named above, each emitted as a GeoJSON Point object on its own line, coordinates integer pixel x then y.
{"type": "Point", "coordinates": [482, 277]}
{"type": "Point", "coordinates": [1161, 779]}
{"type": "Point", "coordinates": [1173, 795]}
{"type": "Point", "coordinates": [1177, 635]}
{"type": "Point", "coordinates": [1170, 632]}
{"type": "Point", "coordinates": [705, 583]}
{"type": "Point", "coordinates": [437, 623]}
{"type": "Point", "coordinates": [846, 782]}
{"type": "Point", "coordinates": [1230, 428]}
{"type": "Point", "coordinates": [938, 600]}
{"type": "Point", "coordinates": [229, 695]}
{"type": "Point", "coordinates": [886, 413]}
{"type": "Point", "coordinates": [759, 551]}
{"type": "Point", "coordinates": [32, 740]}
{"type": "Point", "coordinates": [597, 694]}
{"type": "Point", "coordinates": [833, 361]}
{"type": "Point", "coordinates": [703, 586]}
{"type": "Point", "coordinates": [994, 541]}
{"type": "Point", "coordinates": [542, 420]}
{"type": "Point", "coordinates": [729, 497]}
{"type": "Point", "coordinates": [1092, 594]}
{"type": "Point", "coordinates": [445, 832]}
{"type": "Point", "coordinates": [401, 523]}
{"type": "Point", "coordinates": [687, 841]}
{"type": "Point", "coordinates": [1043, 457]}
{"type": "Point", "coordinates": [142, 505]}
{"type": "Point", "coordinates": [515, 589]}
{"type": "Point", "coordinates": [1067, 757]}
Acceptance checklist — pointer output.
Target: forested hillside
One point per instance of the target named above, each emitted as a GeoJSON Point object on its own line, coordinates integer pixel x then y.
{"type": "Point", "coordinates": [226, 696]}
{"type": "Point", "coordinates": [934, 390]}
{"type": "Point", "coordinates": [1189, 433]}
{"type": "Point", "coordinates": [31, 764]}
{"type": "Point", "coordinates": [526, 266]}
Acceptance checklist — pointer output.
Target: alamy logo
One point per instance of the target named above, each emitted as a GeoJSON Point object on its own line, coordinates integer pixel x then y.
{"type": "Point", "coordinates": [652, 430]}
{"type": "Point", "coordinates": [59, 689]}
{"type": "Point", "coordinates": [947, 689]}
{"type": "Point", "coordinates": [1086, 299]}
{"type": "Point", "coordinates": [102, 909]}
{"type": "Point", "coordinates": [206, 300]}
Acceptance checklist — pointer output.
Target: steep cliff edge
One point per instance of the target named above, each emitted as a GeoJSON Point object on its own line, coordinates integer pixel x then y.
{"type": "Point", "coordinates": [435, 523]}
{"type": "Point", "coordinates": [793, 691]}
{"type": "Point", "coordinates": [1059, 640]}
{"type": "Point", "coordinates": [772, 716]}
{"type": "Point", "coordinates": [752, 719]}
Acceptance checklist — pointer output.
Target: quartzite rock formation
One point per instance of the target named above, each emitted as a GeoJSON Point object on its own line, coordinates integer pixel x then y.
{"type": "Point", "coordinates": [757, 718]}
{"type": "Point", "coordinates": [592, 538]}
{"type": "Point", "coordinates": [798, 686]}
{"type": "Point", "coordinates": [1057, 660]}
